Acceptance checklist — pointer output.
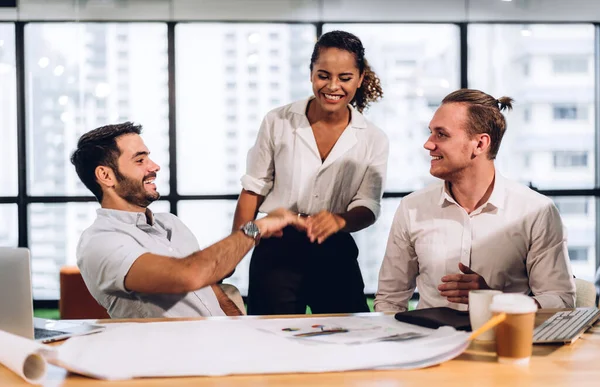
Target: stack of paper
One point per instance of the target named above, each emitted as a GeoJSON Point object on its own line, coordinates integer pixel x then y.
{"type": "Point", "coordinates": [250, 346]}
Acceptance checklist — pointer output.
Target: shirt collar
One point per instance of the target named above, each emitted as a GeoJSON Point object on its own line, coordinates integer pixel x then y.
{"type": "Point", "coordinates": [496, 199]}
{"type": "Point", "coordinates": [128, 217]}
{"type": "Point", "coordinates": [357, 120]}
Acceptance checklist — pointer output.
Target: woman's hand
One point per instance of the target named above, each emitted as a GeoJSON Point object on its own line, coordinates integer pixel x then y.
{"type": "Point", "coordinates": [321, 226]}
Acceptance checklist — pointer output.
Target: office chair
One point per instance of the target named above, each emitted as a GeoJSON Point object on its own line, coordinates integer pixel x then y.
{"type": "Point", "coordinates": [585, 294]}
{"type": "Point", "coordinates": [76, 302]}
{"type": "Point", "coordinates": [234, 294]}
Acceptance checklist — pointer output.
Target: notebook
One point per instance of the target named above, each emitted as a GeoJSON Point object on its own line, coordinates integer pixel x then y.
{"type": "Point", "coordinates": [436, 317]}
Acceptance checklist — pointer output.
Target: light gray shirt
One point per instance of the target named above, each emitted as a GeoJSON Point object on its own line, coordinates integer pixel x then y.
{"type": "Point", "coordinates": [516, 241]}
{"type": "Point", "coordinates": [108, 248]}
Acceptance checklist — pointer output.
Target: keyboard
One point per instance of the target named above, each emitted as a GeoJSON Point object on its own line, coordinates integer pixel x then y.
{"type": "Point", "coordinates": [565, 326]}
{"type": "Point", "coordinates": [41, 333]}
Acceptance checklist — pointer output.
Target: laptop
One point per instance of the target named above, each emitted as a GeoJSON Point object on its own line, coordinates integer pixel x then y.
{"type": "Point", "coordinates": [16, 303]}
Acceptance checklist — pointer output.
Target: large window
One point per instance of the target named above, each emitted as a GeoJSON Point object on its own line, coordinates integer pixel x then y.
{"type": "Point", "coordinates": [9, 225]}
{"type": "Point", "coordinates": [372, 242]}
{"type": "Point", "coordinates": [549, 142]}
{"type": "Point", "coordinates": [8, 111]}
{"type": "Point", "coordinates": [579, 217]}
{"type": "Point", "coordinates": [84, 75]}
{"type": "Point", "coordinates": [78, 76]}
{"type": "Point", "coordinates": [224, 87]}
{"type": "Point", "coordinates": [211, 221]}
{"type": "Point", "coordinates": [418, 65]}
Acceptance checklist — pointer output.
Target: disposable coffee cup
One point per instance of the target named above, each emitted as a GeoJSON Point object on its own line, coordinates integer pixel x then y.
{"type": "Point", "coordinates": [514, 336]}
{"type": "Point", "coordinates": [479, 311]}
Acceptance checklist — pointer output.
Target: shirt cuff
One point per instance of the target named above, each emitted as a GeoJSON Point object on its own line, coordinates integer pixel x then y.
{"type": "Point", "coordinates": [124, 268]}
{"type": "Point", "coordinates": [372, 205]}
{"type": "Point", "coordinates": [383, 306]}
{"type": "Point", "coordinates": [255, 185]}
{"type": "Point", "coordinates": [551, 301]}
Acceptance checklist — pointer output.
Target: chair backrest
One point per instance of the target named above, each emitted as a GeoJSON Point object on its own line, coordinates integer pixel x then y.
{"type": "Point", "coordinates": [234, 294]}
{"type": "Point", "coordinates": [585, 294]}
{"type": "Point", "coordinates": [76, 302]}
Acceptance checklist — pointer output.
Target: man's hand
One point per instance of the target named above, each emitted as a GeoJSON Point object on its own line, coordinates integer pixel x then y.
{"type": "Point", "coordinates": [274, 223]}
{"type": "Point", "coordinates": [455, 287]}
{"type": "Point", "coordinates": [322, 225]}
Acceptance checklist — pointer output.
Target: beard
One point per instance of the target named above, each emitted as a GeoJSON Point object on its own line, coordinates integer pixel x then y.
{"type": "Point", "coordinates": [134, 191]}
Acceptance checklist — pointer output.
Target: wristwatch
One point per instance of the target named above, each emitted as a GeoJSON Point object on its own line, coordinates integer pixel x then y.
{"type": "Point", "coordinates": [251, 229]}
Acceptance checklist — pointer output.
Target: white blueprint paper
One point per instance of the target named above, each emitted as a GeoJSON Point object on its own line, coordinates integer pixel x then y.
{"type": "Point", "coordinates": [243, 346]}
{"type": "Point", "coordinates": [351, 330]}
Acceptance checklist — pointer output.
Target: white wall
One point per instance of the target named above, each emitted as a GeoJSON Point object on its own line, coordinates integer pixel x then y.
{"type": "Point", "coordinates": [308, 10]}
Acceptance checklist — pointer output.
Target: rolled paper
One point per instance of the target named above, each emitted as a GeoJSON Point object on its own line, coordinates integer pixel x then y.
{"type": "Point", "coordinates": [24, 357]}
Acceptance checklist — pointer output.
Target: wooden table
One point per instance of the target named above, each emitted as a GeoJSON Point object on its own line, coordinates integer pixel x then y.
{"type": "Point", "coordinates": [575, 365]}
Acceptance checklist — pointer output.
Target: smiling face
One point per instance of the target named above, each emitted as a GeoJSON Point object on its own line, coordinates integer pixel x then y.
{"type": "Point", "coordinates": [451, 149]}
{"type": "Point", "coordinates": [136, 172]}
{"type": "Point", "coordinates": [335, 79]}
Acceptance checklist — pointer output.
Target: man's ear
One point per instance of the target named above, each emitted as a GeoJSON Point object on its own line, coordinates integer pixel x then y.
{"type": "Point", "coordinates": [483, 144]}
{"type": "Point", "coordinates": [105, 176]}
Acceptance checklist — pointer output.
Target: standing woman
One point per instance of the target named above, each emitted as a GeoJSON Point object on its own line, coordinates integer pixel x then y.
{"type": "Point", "coordinates": [321, 158]}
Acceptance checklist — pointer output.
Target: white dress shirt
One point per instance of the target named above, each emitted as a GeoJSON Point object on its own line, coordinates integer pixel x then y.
{"type": "Point", "coordinates": [516, 241]}
{"type": "Point", "coordinates": [285, 165]}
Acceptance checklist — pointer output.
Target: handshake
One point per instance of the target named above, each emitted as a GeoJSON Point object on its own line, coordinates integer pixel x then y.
{"type": "Point", "coordinates": [318, 227]}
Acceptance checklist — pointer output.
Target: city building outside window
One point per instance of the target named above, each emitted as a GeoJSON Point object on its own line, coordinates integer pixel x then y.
{"type": "Point", "coordinates": [570, 159]}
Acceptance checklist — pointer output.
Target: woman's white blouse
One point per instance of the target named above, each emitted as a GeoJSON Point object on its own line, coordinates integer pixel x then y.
{"type": "Point", "coordinates": [284, 164]}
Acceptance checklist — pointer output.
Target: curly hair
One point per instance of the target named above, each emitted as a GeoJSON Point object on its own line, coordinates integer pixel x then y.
{"type": "Point", "coordinates": [484, 115]}
{"type": "Point", "coordinates": [370, 90]}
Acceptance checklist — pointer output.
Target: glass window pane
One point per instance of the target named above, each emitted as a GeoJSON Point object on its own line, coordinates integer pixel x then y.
{"type": "Point", "coordinates": [54, 231]}
{"type": "Point", "coordinates": [9, 226]}
{"type": "Point", "coordinates": [549, 71]}
{"type": "Point", "coordinates": [228, 77]}
{"type": "Point", "coordinates": [8, 111]}
{"type": "Point", "coordinates": [578, 214]}
{"type": "Point", "coordinates": [84, 75]}
{"type": "Point", "coordinates": [418, 65]}
{"type": "Point", "coordinates": [372, 243]}
{"type": "Point", "coordinates": [210, 221]}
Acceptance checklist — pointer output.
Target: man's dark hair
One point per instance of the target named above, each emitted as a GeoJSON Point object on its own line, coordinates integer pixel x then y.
{"type": "Point", "coordinates": [99, 147]}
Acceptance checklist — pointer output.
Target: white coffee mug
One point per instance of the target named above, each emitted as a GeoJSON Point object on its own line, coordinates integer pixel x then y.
{"type": "Point", "coordinates": [479, 311]}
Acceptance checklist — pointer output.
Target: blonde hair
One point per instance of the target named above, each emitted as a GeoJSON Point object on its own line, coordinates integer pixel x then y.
{"type": "Point", "coordinates": [484, 115]}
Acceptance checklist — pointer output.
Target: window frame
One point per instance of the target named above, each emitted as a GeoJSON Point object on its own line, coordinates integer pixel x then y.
{"type": "Point", "coordinates": [23, 199]}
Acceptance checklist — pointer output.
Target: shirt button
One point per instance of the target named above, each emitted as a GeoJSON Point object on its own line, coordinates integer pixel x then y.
{"type": "Point", "coordinates": [316, 195]}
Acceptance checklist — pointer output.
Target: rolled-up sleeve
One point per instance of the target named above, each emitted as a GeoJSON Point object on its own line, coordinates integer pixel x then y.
{"type": "Point", "coordinates": [105, 258]}
{"type": "Point", "coordinates": [259, 163]}
{"type": "Point", "coordinates": [400, 267]}
{"type": "Point", "coordinates": [548, 266]}
{"type": "Point", "coordinates": [370, 191]}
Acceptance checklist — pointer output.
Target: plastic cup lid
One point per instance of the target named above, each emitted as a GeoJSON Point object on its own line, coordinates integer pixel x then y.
{"type": "Point", "coordinates": [513, 303]}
